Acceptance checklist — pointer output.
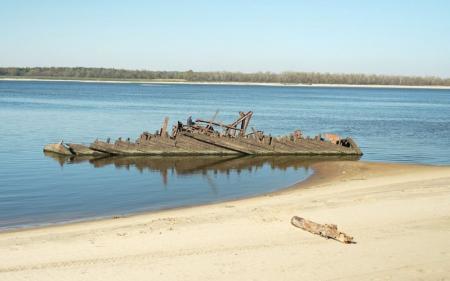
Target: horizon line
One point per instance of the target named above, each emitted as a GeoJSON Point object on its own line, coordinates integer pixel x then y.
{"type": "Point", "coordinates": [243, 72]}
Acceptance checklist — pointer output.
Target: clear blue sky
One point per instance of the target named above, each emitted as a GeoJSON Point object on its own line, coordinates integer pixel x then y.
{"type": "Point", "coordinates": [383, 36]}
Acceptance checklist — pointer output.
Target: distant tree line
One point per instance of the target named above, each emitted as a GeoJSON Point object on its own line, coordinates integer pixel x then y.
{"type": "Point", "coordinates": [193, 76]}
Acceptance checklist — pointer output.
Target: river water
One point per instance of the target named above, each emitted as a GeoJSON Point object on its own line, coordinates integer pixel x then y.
{"type": "Point", "coordinates": [393, 125]}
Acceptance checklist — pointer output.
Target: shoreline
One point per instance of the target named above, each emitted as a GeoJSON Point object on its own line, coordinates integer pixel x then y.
{"type": "Point", "coordinates": [398, 214]}
{"type": "Point", "coordinates": [300, 184]}
{"type": "Point", "coordinates": [305, 183]}
{"type": "Point", "coordinates": [228, 83]}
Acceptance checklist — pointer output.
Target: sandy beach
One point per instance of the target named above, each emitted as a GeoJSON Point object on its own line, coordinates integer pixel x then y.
{"type": "Point", "coordinates": [398, 214]}
{"type": "Point", "coordinates": [168, 82]}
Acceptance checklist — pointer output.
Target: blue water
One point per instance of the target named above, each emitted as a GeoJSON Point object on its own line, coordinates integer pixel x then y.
{"type": "Point", "coordinates": [395, 125]}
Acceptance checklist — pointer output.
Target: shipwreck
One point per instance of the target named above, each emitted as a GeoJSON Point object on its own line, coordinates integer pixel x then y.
{"type": "Point", "coordinates": [211, 137]}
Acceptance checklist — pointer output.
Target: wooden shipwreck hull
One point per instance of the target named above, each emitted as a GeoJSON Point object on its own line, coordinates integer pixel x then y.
{"type": "Point", "coordinates": [208, 137]}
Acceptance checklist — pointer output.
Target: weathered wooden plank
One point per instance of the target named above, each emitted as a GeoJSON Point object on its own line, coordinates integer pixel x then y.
{"type": "Point", "coordinates": [105, 147]}
{"type": "Point", "coordinates": [58, 148]}
{"type": "Point", "coordinates": [218, 142]}
{"type": "Point", "coordinates": [199, 147]}
{"type": "Point", "coordinates": [79, 149]}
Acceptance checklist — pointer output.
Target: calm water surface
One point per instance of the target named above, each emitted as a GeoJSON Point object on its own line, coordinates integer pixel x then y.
{"type": "Point", "coordinates": [396, 125]}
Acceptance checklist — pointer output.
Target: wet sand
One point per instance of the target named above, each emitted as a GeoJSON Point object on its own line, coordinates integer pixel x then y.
{"type": "Point", "coordinates": [398, 214]}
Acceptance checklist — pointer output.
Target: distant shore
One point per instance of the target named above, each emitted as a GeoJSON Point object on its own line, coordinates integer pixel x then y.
{"type": "Point", "coordinates": [174, 82]}
{"type": "Point", "coordinates": [397, 213]}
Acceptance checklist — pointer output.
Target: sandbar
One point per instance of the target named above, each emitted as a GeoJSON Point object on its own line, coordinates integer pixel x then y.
{"type": "Point", "coordinates": [398, 214]}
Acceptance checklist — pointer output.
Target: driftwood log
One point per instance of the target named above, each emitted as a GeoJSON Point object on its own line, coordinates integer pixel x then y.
{"type": "Point", "coordinates": [324, 230]}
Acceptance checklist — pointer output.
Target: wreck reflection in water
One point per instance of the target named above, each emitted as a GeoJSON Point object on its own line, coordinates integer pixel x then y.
{"type": "Point", "coordinates": [189, 165]}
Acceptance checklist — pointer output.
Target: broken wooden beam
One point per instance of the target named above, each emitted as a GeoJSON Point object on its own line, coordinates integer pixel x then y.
{"type": "Point", "coordinates": [58, 148]}
{"type": "Point", "coordinates": [215, 124]}
{"type": "Point", "coordinates": [163, 131]}
{"type": "Point", "coordinates": [241, 117]}
{"type": "Point", "coordinates": [324, 230]}
{"type": "Point", "coordinates": [245, 123]}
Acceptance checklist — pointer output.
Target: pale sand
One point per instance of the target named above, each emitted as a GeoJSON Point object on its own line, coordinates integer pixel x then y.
{"type": "Point", "coordinates": [150, 82]}
{"type": "Point", "coordinates": [398, 214]}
